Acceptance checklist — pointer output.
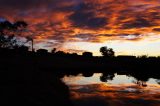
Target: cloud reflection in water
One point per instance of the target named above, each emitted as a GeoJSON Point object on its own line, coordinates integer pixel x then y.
{"type": "Point", "coordinates": [121, 91]}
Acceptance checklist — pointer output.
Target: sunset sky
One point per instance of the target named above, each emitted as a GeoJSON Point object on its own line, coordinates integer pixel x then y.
{"type": "Point", "coordinates": [130, 27]}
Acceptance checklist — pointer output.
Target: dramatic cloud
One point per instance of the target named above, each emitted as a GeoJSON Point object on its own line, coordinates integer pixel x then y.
{"type": "Point", "coordinates": [137, 23]}
{"type": "Point", "coordinates": [87, 19]}
{"type": "Point", "coordinates": [56, 22]}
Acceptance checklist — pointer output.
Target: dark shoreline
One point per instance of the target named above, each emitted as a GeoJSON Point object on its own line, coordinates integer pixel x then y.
{"type": "Point", "coordinates": [31, 78]}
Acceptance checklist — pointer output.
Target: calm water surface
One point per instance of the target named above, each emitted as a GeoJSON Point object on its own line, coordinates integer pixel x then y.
{"type": "Point", "coordinates": [113, 90]}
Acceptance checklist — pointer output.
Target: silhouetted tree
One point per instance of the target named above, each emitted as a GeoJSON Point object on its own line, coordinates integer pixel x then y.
{"type": "Point", "coordinates": [60, 53]}
{"type": "Point", "coordinates": [87, 54]}
{"type": "Point", "coordinates": [143, 56]}
{"type": "Point", "coordinates": [20, 24]}
{"type": "Point", "coordinates": [6, 25]}
{"type": "Point", "coordinates": [53, 51]}
{"type": "Point", "coordinates": [8, 31]}
{"type": "Point", "coordinates": [107, 52]}
{"type": "Point", "coordinates": [74, 54]}
{"type": "Point", "coordinates": [7, 41]}
{"type": "Point", "coordinates": [158, 81]}
{"type": "Point", "coordinates": [105, 77]}
{"type": "Point", "coordinates": [42, 51]}
{"type": "Point", "coordinates": [7, 28]}
{"type": "Point", "coordinates": [140, 83]}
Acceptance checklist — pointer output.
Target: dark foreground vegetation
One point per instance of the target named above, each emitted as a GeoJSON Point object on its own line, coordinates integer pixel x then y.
{"type": "Point", "coordinates": [60, 60]}
{"type": "Point", "coordinates": [35, 77]}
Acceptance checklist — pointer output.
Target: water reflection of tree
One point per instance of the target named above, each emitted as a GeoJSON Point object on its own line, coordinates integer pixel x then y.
{"type": "Point", "coordinates": [141, 83]}
{"type": "Point", "coordinates": [107, 76]}
{"type": "Point", "coordinates": [158, 81]}
{"type": "Point", "coordinates": [141, 78]}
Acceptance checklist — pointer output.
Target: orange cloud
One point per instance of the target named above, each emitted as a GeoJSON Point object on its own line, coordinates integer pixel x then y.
{"type": "Point", "coordinates": [62, 21]}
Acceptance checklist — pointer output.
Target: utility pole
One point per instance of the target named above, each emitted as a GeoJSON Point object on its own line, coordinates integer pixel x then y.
{"type": "Point", "coordinates": [32, 45]}
{"type": "Point", "coordinates": [30, 39]}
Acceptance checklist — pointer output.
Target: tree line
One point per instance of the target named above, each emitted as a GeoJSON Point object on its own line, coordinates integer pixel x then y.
{"type": "Point", "coordinates": [8, 39]}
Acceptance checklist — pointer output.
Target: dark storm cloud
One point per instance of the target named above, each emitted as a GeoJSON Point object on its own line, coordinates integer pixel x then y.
{"type": "Point", "coordinates": [87, 20]}
{"type": "Point", "coordinates": [57, 5]}
{"type": "Point", "coordinates": [21, 4]}
{"type": "Point", "coordinates": [25, 4]}
{"type": "Point", "coordinates": [85, 17]}
{"type": "Point", "coordinates": [137, 23]}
